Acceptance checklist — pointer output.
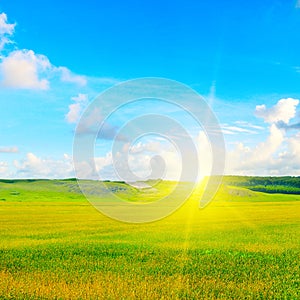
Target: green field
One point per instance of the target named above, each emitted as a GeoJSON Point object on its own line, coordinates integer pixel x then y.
{"type": "Point", "coordinates": [55, 245]}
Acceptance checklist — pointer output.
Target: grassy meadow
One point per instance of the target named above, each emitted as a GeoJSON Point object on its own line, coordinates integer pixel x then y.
{"type": "Point", "coordinates": [55, 245]}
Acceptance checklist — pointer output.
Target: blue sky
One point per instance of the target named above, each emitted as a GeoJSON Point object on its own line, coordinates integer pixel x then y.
{"type": "Point", "coordinates": [56, 57]}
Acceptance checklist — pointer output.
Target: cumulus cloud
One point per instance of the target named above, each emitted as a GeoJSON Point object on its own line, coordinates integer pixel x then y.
{"type": "Point", "coordinates": [130, 165]}
{"type": "Point", "coordinates": [74, 113]}
{"type": "Point", "coordinates": [76, 108]}
{"type": "Point", "coordinates": [279, 154]}
{"type": "Point", "coordinates": [148, 160]}
{"type": "Point", "coordinates": [256, 159]}
{"type": "Point", "coordinates": [23, 69]}
{"type": "Point", "coordinates": [291, 154]}
{"type": "Point", "coordinates": [283, 111]}
{"type": "Point", "coordinates": [36, 167]}
{"type": "Point", "coordinates": [158, 158]}
{"type": "Point", "coordinates": [68, 76]}
{"type": "Point", "coordinates": [9, 150]}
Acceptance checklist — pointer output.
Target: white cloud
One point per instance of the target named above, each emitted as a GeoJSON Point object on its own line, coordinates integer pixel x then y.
{"type": "Point", "coordinates": [9, 150]}
{"type": "Point", "coordinates": [228, 129]}
{"type": "Point", "coordinates": [74, 113]}
{"type": "Point", "coordinates": [165, 164]}
{"type": "Point", "coordinates": [23, 69]}
{"type": "Point", "coordinates": [159, 158]}
{"type": "Point", "coordinates": [85, 170]}
{"type": "Point", "coordinates": [172, 163]}
{"type": "Point", "coordinates": [96, 168]}
{"type": "Point", "coordinates": [80, 98]}
{"type": "Point", "coordinates": [93, 118]}
{"type": "Point", "coordinates": [68, 76]}
{"type": "Point", "coordinates": [279, 154]}
{"type": "Point", "coordinates": [256, 160]}
{"type": "Point", "coordinates": [6, 28]}
{"type": "Point", "coordinates": [76, 108]}
{"type": "Point", "coordinates": [152, 146]}
{"type": "Point", "coordinates": [283, 111]}
{"type": "Point", "coordinates": [102, 162]}
{"type": "Point", "coordinates": [135, 162]}
{"type": "Point", "coordinates": [37, 167]}
{"type": "Point", "coordinates": [168, 160]}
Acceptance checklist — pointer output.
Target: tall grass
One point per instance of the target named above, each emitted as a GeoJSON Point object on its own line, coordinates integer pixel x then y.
{"type": "Point", "coordinates": [55, 245]}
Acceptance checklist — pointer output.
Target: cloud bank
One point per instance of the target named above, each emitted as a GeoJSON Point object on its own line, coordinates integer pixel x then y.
{"type": "Point", "coordinates": [279, 154]}
{"type": "Point", "coordinates": [283, 111]}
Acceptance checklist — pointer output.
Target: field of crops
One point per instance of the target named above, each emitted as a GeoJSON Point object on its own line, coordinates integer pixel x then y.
{"type": "Point", "coordinates": [55, 245]}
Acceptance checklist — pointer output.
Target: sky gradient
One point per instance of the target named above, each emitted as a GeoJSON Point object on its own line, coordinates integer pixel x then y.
{"type": "Point", "coordinates": [242, 57]}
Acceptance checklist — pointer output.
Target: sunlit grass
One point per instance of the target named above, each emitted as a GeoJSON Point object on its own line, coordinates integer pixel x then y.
{"type": "Point", "coordinates": [54, 244]}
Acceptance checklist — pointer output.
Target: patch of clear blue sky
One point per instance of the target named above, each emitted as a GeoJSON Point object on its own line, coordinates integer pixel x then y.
{"type": "Point", "coordinates": [248, 47]}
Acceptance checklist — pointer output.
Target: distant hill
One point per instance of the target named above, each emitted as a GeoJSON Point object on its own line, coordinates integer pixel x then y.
{"type": "Point", "coordinates": [266, 184]}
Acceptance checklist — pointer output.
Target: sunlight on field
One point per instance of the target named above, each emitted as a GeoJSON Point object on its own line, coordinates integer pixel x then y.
{"type": "Point", "coordinates": [54, 244]}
